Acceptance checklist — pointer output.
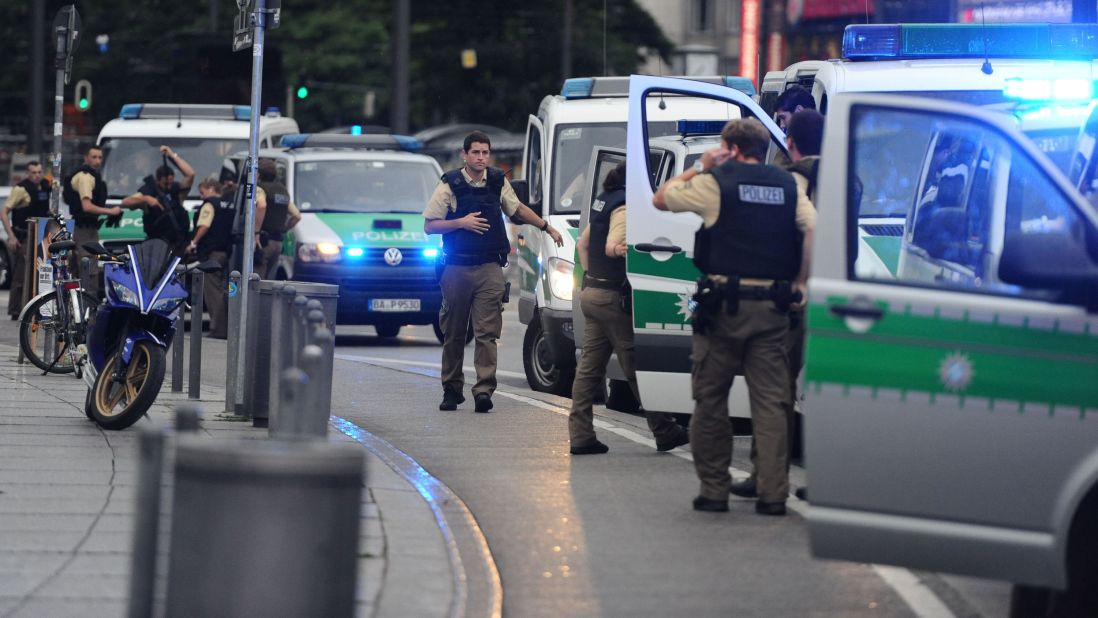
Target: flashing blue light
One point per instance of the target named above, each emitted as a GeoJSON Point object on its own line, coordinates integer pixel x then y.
{"type": "Point", "coordinates": [131, 111]}
{"type": "Point", "coordinates": [743, 84]}
{"type": "Point", "coordinates": [356, 129]}
{"type": "Point", "coordinates": [577, 88]}
{"type": "Point", "coordinates": [430, 253]}
{"type": "Point", "coordinates": [242, 112]}
{"type": "Point", "coordinates": [912, 41]}
{"type": "Point", "coordinates": [1048, 89]}
{"type": "Point", "coordinates": [407, 142]}
{"type": "Point", "coordinates": [700, 127]}
{"type": "Point", "coordinates": [295, 141]}
{"type": "Point", "coordinates": [355, 252]}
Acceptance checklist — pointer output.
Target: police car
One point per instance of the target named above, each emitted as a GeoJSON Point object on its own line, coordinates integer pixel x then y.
{"type": "Point", "coordinates": [951, 401]}
{"type": "Point", "coordinates": [202, 134]}
{"type": "Point", "coordinates": [361, 199]}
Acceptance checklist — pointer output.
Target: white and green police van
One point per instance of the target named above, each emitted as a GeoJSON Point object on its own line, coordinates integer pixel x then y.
{"type": "Point", "coordinates": [202, 134]}
{"type": "Point", "coordinates": [361, 199]}
{"type": "Point", "coordinates": [951, 409]}
{"type": "Point", "coordinates": [560, 138]}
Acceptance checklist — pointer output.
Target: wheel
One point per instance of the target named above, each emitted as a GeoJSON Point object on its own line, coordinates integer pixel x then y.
{"type": "Point", "coordinates": [387, 330]}
{"type": "Point", "coordinates": [5, 269]}
{"type": "Point", "coordinates": [621, 398]}
{"type": "Point", "coordinates": [119, 404]}
{"type": "Point", "coordinates": [542, 373]}
{"type": "Point", "coordinates": [438, 332]}
{"type": "Point", "coordinates": [43, 338]}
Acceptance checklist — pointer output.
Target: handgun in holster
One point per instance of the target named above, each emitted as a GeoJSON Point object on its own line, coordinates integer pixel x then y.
{"type": "Point", "coordinates": [781, 292]}
{"type": "Point", "coordinates": [506, 292]}
{"type": "Point", "coordinates": [707, 302]}
{"type": "Point", "coordinates": [732, 296]}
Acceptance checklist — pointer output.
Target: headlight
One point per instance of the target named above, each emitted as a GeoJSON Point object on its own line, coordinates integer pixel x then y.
{"type": "Point", "coordinates": [319, 252]}
{"type": "Point", "coordinates": [166, 305]}
{"type": "Point", "coordinates": [124, 294]}
{"type": "Point", "coordinates": [560, 278]}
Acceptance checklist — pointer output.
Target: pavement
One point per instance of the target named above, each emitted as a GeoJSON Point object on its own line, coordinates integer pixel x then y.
{"type": "Point", "coordinates": [67, 503]}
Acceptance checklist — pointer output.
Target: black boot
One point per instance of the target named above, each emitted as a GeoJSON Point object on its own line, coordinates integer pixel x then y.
{"type": "Point", "coordinates": [450, 399]}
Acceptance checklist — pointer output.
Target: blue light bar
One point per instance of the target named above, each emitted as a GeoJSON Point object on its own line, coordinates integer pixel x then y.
{"type": "Point", "coordinates": [430, 253]}
{"type": "Point", "coordinates": [242, 112]}
{"type": "Point", "coordinates": [354, 251]}
{"type": "Point", "coordinates": [131, 111]}
{"type": "Point", "coordinates": [295, 141]}
{"type": "Point", "coordinates": [364, 142]}
{"type": "Point", "coordinates": [700, 127]}
{"type": "Point", "coordinates": [1048, 89]}
{"type": "Point", "coordinates": [577, 88]}
{"type": "Point", "coordinates": [914, 41]}
{"type": "Point", "coordinates": [356, 129]}
{"type": "Point", "coordinates": [743, 84]}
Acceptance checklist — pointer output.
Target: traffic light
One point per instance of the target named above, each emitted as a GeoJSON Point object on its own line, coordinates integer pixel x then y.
{"type": "Point", "coordinates": [83, 95]}
{"type": "Point", "coordinates": [302, 91]}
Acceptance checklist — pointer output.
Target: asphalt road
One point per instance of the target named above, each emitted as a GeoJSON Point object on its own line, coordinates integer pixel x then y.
{"type": "Point", "coordinates": [610, 535]}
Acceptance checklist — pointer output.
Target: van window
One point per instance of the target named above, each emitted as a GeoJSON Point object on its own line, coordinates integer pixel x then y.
{"type": "Point", "coordinates": [128, 160]}
{"type": "Point", "coordinates": [939, 196]}
{"type": "Point", "coordinates": [533, 165]}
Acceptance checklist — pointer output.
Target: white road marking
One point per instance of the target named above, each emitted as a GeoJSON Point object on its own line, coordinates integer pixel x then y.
{"type": "Point", "coordinates": [922, 601]}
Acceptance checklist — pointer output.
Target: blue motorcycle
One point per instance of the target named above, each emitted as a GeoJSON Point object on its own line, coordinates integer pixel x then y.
{"type": "Point", "coordinates": [127, 346]}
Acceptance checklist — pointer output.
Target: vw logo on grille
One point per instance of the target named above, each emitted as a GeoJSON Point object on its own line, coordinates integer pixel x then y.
{"type": "Point", "coordinates": [393, 256]}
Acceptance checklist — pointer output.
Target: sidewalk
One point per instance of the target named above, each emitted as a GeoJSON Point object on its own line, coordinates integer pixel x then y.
{"type": "Point", "coordinates": [67, 502]}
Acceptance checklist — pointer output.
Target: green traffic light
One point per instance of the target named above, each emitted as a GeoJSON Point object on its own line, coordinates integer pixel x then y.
{"type": "Point", "coordinates": [83, 104]}
{"type": "Point", "coordinates": [302, 92]}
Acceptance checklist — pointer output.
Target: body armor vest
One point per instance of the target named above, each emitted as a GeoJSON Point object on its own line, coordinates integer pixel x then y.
{"type": "Point", "coordinates": [808, 167]}
{"type": "Point", "coordinates": [220, 235]}
{"type": "Point", "coordinates": [599, 264]}
{"type": "Point", "coordinates": [278, 208]}
{"type": "Point", "coordinates": [72, 198]}
{"type": "Point", "coordinates": [39, 204]}
{"type": "Point", "coordinates": [485, 200]}
{"type": "Point", "coordinates": [755, 235]}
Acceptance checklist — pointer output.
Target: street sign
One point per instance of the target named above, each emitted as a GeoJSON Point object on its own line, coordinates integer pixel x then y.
{"type": "Point", "coordinates": [243, 34]}
{"type": "Point", "coordinates": [67, 27]}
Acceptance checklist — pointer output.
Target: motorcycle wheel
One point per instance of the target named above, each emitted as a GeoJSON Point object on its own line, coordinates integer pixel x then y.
{"type": "Point", "coordinates": [119, 404]}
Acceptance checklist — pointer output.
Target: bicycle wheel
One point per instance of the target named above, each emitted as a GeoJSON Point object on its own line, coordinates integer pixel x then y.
{"type": "Point", "coordinates": [44, 339]}
{"type": "Point", "coordinates": [119, 403]}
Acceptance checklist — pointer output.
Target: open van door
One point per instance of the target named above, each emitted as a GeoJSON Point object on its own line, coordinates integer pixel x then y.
{"type": "Point", "coordinates": [951, 406]}
{"type": "Point", "coordinates": [529, 243]}
{"type": "Point", "coordinates": [602, 161]}
{"type": "Point", "coordinates": [661, 249]}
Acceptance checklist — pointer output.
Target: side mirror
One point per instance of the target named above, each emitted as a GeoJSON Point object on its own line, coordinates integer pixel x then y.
{"type": "Point", "coordinates": [1044, 260]}
{"type": "Point", "coordinates": [522, 190]}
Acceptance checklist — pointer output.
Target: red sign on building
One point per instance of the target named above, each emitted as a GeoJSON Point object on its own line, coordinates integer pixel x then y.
{"type": "Point", "coordinates": [830, 9]}
{"type": "Point", "coordinates": [749, 38]}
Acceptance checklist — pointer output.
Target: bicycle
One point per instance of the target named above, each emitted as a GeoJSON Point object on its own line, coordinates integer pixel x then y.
{"type": "Point", "coordinates": [53, 326]}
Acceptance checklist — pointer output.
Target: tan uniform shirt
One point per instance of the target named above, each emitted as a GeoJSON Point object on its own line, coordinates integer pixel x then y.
{"type": "Point", "coordinates": [84, 184]}
{"type": "Point", "coordinates": [205, 215]}
{"type": "Point", "coordinates": [261, 202]}
{"type": "Point", "coordinates": [702, 195]}
{"type": "Point", "coordinates": [17, 199]}
{"type": "Point", "coordinates": [617, 228]}
{"type": "Point", "coordinates": [443, 200]}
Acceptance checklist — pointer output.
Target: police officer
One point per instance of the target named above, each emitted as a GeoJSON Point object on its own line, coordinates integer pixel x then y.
{"type": "Point", "coordinates": [609, 321]}
{"type": "Point", "coordinates": [85, 193]}
{"type": "Point", "coordinates": [466, 208]}
{"type": "Point", "coordinates": [29, 198]}
{"type": "Point", "coordinates": [213, 239]}
{"type": "Point", "coordinates": [275, 214]}
{"type": "Point", "coordinates": [752, 248]}
{"type": "Point", "coordinates": [161, 197]}
{"type": "Point", "coordinates": [794, 99]}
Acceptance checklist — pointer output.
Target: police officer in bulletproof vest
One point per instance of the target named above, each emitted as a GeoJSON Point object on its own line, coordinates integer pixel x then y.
{"type": "Point", "coordinates": [606, 302]}
{"type": "Point", "coordinates": [213, 240]}
{"type": "Point", "coordinates": [275, 214]}
{"type": "Point", "coordinates": [161, 199]}
{"type": "Point", "coordinates": [85, 193]}
{"type": "Point", "coordinates": [467, 208]}
{"type": "Point", "coordinates": [29, 198]}
{"type": "Point", "coordinates": [753, 250]}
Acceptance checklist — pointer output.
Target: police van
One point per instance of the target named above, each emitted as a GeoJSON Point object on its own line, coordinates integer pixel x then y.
{"type": "Point", "coordinates": [588, 112]}
{"type": "Point", "coordinates": [361, 199]}
{"type": "Point", "coordinates": [202, 134]}
{"type": "Point", "coordinates": [951, 406]}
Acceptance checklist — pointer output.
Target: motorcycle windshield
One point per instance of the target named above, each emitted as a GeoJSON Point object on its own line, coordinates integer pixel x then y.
{"type": "Point", "coordinates": [154, 256]}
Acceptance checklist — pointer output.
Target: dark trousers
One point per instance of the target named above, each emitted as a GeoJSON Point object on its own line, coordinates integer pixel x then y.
{"type": "Point", "coordinates": [215, 296]}
{"type": "Point", "coordinates": [476, 293]}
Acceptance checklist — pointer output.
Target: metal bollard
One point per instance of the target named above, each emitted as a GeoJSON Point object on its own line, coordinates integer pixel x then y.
{"type": "Point", "coordinates": [296, 555]}
{"type": "Point", "coordinates": [177, 354]}
{"type": "Point", "coordinates": [188, 418]}
{"type": "Point", "coordinates": [314, 321]}
{"type": "Point", "coordinates": [146, 522]}
{"type": "Point", "coordinates": [306, 416]}
{"type": "Point", "coordinates": [249, 337]}
{"type": "Point", "coordinates": [320, 383]}
{"type": "Point", "coordinates": [293, 389]}
{"type": "Point", "coordinates": [282, 342]}
{"type": "Point", "coordinates": [194, 380]}
{"type": "Point", "coordinates": [232, 344]}
{"type": "Point", "coordinates": [298, 328]}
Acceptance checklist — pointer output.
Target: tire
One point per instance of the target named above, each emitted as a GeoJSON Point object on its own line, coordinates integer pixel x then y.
{"type": "Point", "coordinates": [38, 333]}
{"type": "Point", "coordinates": [542, 373]}
{"type": "Point", "coordinates": [620, 397]}
{"type": "Point", "coordinates": [5, 269]}
{"type": "Point", "coordinates": [117, 406]}
{"type": "Point", "coordinates": [438, 332]}
{"type": "Point", "coordinates": [388, 331]}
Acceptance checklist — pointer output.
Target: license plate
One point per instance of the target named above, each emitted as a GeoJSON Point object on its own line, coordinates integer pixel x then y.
{"type": "Point", "coordinates": [394, 304]}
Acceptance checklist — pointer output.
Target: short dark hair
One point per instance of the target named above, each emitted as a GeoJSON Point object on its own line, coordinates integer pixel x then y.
{"type": "Point", "coordinates": [91, 148]}
{"type": "Point", "coordinates": [31, 164]}
{"type": "Point", "coordinates": [476, 136]}
{"type": "Point", "coordinates": [164, 171]}
{"type": "Point", "coordinates": [792, 97]}
{"type": "Point", "coordinates": [749, 135]}
{"type": "Point", "coordinates": [806, 129]}
{"type": "Point", "coordinates": [615, 178]}
{"type": "Point", "coordinates": [267, 170]}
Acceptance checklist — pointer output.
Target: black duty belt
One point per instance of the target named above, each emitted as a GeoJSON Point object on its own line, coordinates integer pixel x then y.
{"type": "Point", "coordinates": [755, 292]}
{"type": "Point", "coordinates": [475, 259]}
{"type": "Point", "coordinates": [274, 235]}
{"type": "Point", "coordinates": [601, 284]}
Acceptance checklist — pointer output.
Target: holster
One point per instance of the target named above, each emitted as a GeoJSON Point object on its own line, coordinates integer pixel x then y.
{"type": "Point", "coordinates": [782, 294]}
{"type": "Point", "coordinates": [506, 292]}
{"type": "Point", "coordinates": [627, 297]}
{"type": "Point", "coordinates": [707, 303]}
{"type": "Point", "coordinates": [732, 296]}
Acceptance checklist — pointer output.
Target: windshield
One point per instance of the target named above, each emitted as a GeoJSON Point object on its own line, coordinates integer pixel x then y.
{"type": "Point", "coordinates": [364, 186]}
{"type": "Point", "coordinates": [128, 160]}
{"type": "Point", "coordinates": [572, 149]}
{"type": "Point", "coordinates": [1057, 144]}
